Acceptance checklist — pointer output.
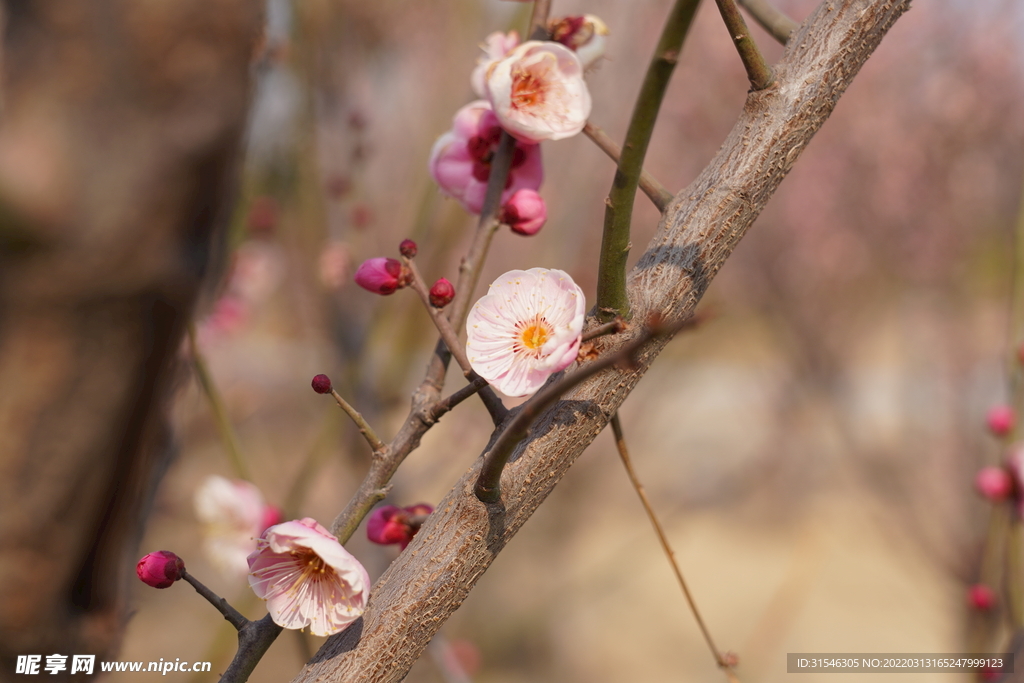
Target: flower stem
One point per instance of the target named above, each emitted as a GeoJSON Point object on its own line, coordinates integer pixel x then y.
{"type": "Point", "coordinates": [772, 20]}
{"type": "Point", "coordinates": [654, 190]}
{"type": "Point", "coordinates": [230, 613]}
{"type": "Point", "coordinates": [611, 277]}
{"type": "Point", "coordinates": [620, 444]}
{"type": "Point", "coordinates": [220, 412]}
{"type": "Point", "coordinates": [365, 429]}
{"type": "Point", "coordinates": [758, 72]}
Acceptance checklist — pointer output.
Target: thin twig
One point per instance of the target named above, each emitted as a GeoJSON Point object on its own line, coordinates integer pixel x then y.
{"type": "Point", "coordinates": [654, 190]}
{"type": "Point", "coordinates": [771, 19]}
{"type": "Point", "coordinates": [620, 444]}
{"type": "Point", "coordinates": [758, 71]}
{"type": "Point", "coordinates": [614, 327]}
{"type": "Point", "coordinates": [539, 20]}
{"type": "Point", "coordinates": [365, 429]}
{"type": "Point", "coordinates": [451, 339]}
{"type": "Point", "coordinates": [220, 412]}
{"type": "Point", "coordinates": [445, 405]}
{"type": "Point", "coordinates": [488, 483]}
{"type": "Point", "coordinates": [230, 613]}
{"type": "Point", "coordinates": [611, 274]}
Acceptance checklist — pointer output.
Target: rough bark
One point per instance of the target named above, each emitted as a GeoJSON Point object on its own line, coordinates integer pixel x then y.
{"type": "Point", "coordinates": [119, 134]}
{"type": "Point", "coordinates": [702, 226]}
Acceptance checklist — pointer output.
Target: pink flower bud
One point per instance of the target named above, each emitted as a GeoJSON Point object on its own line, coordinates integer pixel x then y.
{"type": "Point", "coordinates": [160, 569]}
{"type": "Point", "coordinates": [380, 275]}
{"type": "Point", "coordinates": [994, 483]}
{"type": "Point", "coordinates": [407, 248]}
{"type": "Point", "coordinates": [390, 524]}
{"type": "Point", "coordinates": [525, 212]}
{"type": "Point", "coordinates": [1000, 420]}
{"type": "Point", "coordinates": [981, 597]}
{"type": "Point", "coordinates": [586, 35]}
{"type": "Point", "coordinates": [442, 293]}
{"type": "Point", "coordinates": [321, 384]}
{"type": "Point", "coordinates": [272, 516]}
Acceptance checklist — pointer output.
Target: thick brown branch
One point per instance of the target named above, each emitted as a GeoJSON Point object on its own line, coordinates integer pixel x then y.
{"type": "Point", "coordinates": [458, 542]}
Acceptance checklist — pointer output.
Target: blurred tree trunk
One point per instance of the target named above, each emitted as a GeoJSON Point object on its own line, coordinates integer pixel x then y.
{"type": "Point", "coordinates": [119, 139]}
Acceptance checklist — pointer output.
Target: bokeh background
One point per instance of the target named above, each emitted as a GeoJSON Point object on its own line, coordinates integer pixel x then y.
{"type": "Point", "coordinates": [810, 447]}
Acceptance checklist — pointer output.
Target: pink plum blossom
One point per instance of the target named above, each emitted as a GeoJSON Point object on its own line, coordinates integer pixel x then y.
{"type": "Point", "coordinates": [525, 212]}
{"type": "Point", "coordinates": [526, 328]}
{"type": "Point", "coordinates": [159, 569]}
{"type": "Point", "coordinates": [586, 35]}
{"type": "Point", "coordinates": [538, 92]}
{"type": "Point", "coordinates": [233, 514]}
{"type": "Point", "coordinates": [390, 524]}
{"type": "Point", "coordinates": [495, 47]}
{"type": "Point", "coordinates": [380, 275]}
{"type": "Point", "coordinates": [460, 162]}
{"type": "Point", "coordinates": [307, 578]}
{"type": "Point", "coordinates": [981, 597]}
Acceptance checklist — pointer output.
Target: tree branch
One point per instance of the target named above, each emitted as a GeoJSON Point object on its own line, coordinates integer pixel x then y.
{"type": "Point", "coordinates": [779, 25]}
{"type": "Point", "coordinates": [433, 576]}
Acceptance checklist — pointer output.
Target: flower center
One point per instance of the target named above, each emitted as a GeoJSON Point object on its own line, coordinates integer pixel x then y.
{"type": "Point", "coordinates": [529, 87]}
{"type": "Point", "coordinates": [313, 566]}
{"type": "Point", "coordinates": [532, 335]}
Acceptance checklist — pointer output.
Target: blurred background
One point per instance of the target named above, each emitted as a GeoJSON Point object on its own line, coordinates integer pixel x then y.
{"type": "Point", "coordinates": [811, 447]}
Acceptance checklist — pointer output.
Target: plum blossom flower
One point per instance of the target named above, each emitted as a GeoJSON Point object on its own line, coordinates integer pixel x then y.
{"type": "Point", "coordinates": [307, 578]}
{"type": "Point", "coordinates": [586, 35]}
{"type": "Point", "coordinates": [538, 92]}
{"type": "Point", "coordinates": [159, 569]}
{"type": "Point", "coordinates": [390, 524]}
{"type": "Point", "coordinates": [495, 47]}
{"type": "Point", "coordinates": [526, 328]}
{"type": "Point", "coordinates": [460, 162]}
{"type": "Point", "coordinates": [233, 514]}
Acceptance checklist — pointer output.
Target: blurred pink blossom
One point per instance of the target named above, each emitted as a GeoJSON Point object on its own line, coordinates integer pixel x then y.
{"type": "Point", "coordinates": [586, 35]}
{"type": "Point", "coordinates": [538, 92]}
{"type": "Point", "coordinates": [307, 578]}
{"type": "Point", "coordinates": [390, 524]}
{"type": "Point", "coordinates": [233, 514]}
{"type": "Point", "coordinates": [525, 329]}
{"type": "Point", "coordinates": [1000, 420]}
{"type": "Point", "coordinates": [994, 483]}
{"type": "Point", "coordinates": [335, 265]}
{"type": "Point", "coordinates": [460, 161]}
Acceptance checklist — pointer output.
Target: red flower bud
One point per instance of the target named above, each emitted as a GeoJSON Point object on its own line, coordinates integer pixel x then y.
{"type": "Point", "coordinates": [1000, 420]}
{"type": "Point", "coordinates": [321, 384]}
{"type": "Point", "coordinates": [994, 483]}
{"type": "Point", "coordinates": [442, 293]}
{"type": "Point", "coordinates": [380, 275]}
{"type": "Point", "coordinates": [981, 597]}
{"type": "Point", "coordinates": [160, 569]}
{"type": "Point", "coordinates": [391, 524]}
{"type": "Point", "coordinates": [407, 248]}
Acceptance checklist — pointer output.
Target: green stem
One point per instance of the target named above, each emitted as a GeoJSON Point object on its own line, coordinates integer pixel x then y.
{"type": "Point", "coordinates": [220, 412]}
{"type": "Point", "coordinates": [758, 71]}
{"type": "Point", "coordinates": [611, 275]}
{"type": "Point", "coordinates": [773, 21]}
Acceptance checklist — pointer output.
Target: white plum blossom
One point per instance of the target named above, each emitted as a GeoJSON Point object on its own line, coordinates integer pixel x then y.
{"type": "Point", "coordinates": [307, 578]}
{"type": "Point", "coordinates": [233, 514]}
{"type": "Point", "coordinates": [526, 328]}
{"type": "Point", "coordinates": [538, 93]}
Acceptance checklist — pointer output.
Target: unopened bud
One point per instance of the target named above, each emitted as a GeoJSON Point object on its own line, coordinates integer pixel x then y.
{"type": "Point", "coordinates": [994, 483]}
{"type": "Point", "coordinates": [390, 524]}
{"type": "Point", "coordinates": [321, 384]}
{"type": "Point", "coordinates": [525, 212]}
{"type": "Point", "coordinates": [1000, 420]}
{"type": "Point", "coordinates": [587, 35]}
{"type": "Point", "coordinates": [160, 569]}
{"type": "Point", "coordinates": [380, 275]}
{"type": "Point", "coordinates": [407, 248]}
{"type": "Point", "coordinates": [981, 597]}
{"type": "Point", "coordinates": [442, 293]}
